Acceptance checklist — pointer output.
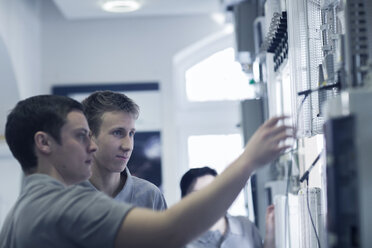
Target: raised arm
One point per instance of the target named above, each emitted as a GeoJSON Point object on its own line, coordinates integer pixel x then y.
{"type": "Point", "coordinates": [187, 219]}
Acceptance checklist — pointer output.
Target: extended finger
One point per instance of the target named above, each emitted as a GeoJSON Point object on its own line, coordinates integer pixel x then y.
{"type": "Point", "coordinates": [284, 128]}
{"type": "Point", "coordinates": [281, 149]}
{"type": "Point", "coordinates": [273, 121]}
{"type": "Point", "coordinates": [281, 137]}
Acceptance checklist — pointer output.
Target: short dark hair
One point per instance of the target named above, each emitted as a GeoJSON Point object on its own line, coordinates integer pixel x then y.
{"type": "Point", "coordinates": [101, 102]}
{"type": "Point", "coordinates": [191, 175]}
{"type": "Point", "coordinates": [46, 113]}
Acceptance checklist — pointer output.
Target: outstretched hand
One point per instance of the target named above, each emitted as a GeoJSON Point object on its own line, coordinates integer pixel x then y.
{"type": "Point", "coordinates": [267, 142]}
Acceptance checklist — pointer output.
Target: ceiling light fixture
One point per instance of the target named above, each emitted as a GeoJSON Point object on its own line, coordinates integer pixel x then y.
{"type": "Point", "coordinates": [121, 6]}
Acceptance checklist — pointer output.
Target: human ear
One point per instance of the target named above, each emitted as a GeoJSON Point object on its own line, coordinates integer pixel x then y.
{"type": "Point", "coordinates": [42, 142]}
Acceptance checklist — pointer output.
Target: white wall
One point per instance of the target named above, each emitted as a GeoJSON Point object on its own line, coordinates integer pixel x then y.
{"type": "Point", "coordinates": [8, 85]}
{"type": "Point", "coordinates": [20, 54]}
{"type": "Point", "coordinates": [20, 29]}
{"type": "Point", "coordinates": [19, 78]}
{"type": "Point", "coordinates": [123, 50]}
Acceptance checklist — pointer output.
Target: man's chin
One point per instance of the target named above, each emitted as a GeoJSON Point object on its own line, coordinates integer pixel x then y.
{"type": "Point", "coordinates": [120, 168]}
{"type": "Point", "coordinates": [85, 177]}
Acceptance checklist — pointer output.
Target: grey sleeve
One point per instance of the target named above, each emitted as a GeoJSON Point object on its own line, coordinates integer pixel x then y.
{"type": "Point", "coordinates": [148, 195]}
{"type": "Point", "coordinates": [158, 200]}
{"type": "Point", "coordinates": [90, 219]}
{"type": "Point", "coordinates": [160, 203]}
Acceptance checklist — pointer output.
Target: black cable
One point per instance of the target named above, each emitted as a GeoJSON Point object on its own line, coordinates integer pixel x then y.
{"type": "Point", "coordinates": [286, 207]}
{"type": "Point", "coordinates": [294, 148]}
{"type": "Point", "coordinates": [325, 87]}
{"type": "Point", "coordinates": [305, 93]}
{"type": "Point", "coordinates": [299, 111]}
{"type": "Point", "coordinates": [308, 208]}
{"type": "Point", "coordinates": [307, 172]}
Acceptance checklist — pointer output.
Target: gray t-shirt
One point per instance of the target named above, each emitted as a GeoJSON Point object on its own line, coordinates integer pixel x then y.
{"type": "Point", "coordinates": [139, 192]}
{"type": "Point", "coordinates": [49, 214]}
{"type": "Point", "coordinates": [241, 232]}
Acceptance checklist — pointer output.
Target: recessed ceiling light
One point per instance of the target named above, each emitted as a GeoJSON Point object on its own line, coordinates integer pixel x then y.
{"type": "Point", "coordinates": [121, 6]}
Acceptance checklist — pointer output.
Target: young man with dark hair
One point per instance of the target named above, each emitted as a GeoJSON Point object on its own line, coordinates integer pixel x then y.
{"type": "Point", "coordinates": [229, 231]}
{"type": "Point", "coordinates": [52, 212]}
{"type": "Point", "coordinates": [111, 117]}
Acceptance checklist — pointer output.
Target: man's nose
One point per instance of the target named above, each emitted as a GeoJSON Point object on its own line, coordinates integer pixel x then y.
{"type": "Point", "coordinates": [92, 146]}
{"type": "Point", "coordinates": [127, 143]}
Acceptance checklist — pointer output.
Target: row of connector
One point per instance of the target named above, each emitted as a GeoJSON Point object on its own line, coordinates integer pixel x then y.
{"type": "Point", "coordinates": [277, 39]}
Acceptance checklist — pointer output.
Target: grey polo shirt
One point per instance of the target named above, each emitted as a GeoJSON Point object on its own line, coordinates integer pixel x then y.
{"type": "Point", "coordinates": [241, 232]}
{"type": "Point", "coordinates": [49, 214]}
{"type": "Point", "coordinates": [140, 193]}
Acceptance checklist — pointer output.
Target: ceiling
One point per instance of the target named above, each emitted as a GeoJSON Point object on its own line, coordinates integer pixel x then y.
{"type": "Point", "coordinates": [84, 9]}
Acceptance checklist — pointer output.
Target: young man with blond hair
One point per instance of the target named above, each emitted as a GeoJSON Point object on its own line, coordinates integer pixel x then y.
{"type": "Point", "coordinates": [111, 117]}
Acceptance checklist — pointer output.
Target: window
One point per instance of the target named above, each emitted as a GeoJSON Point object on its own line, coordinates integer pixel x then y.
{"type": "Point", "coordinates": [210, 84]}
{"type": "Point", "coordinates": [216, 78]}
{"type": "Point", "coordinates": [222, 150]}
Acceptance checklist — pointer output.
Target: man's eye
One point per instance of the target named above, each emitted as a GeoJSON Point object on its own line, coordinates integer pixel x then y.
{"type": "Point", "coordinates": [117, 133]}
{"type": "Point", "coordinates": [131, 134]}
{"type": "Point", "coordinates": [82, 136]}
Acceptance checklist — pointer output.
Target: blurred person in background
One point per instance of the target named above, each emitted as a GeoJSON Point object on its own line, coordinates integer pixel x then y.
{"type": "Point", "coordinates": [228, 231]}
